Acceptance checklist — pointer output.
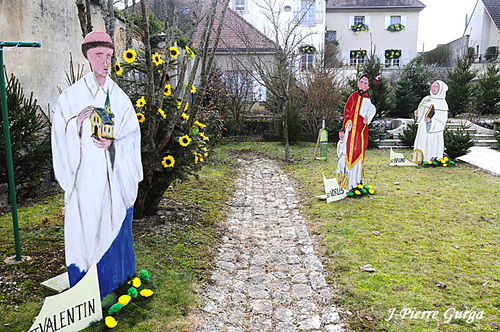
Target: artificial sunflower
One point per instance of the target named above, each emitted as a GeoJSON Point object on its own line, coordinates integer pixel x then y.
{"type": "Point", "coordinates": [118, 69]}
{"type": "Point", "coordinates": [185, 116]}
{"type": "Point", "coordinates": [129, 55]}
{"type": "Point", "coordinates": [193, 89]}
{"type": "Point", "coordinates": [157, 59]}
{"type": "Point", "coordinates": [189, 53]}
{"type": "Point", "coordinates": [167, 90]}
{"type": "Point", "coordinates": [141, 102]}
{"type": "Point", "coordinates": [205, 138]}
{"type": "Point", "coordinates": [168, 161]}
{"type": "Point", "coordinates": [162, 113]}
{"type": "Point", "coordinates": [110, 322]}
{"type": "Point", "coordinates": [174, 52]}
{"type": "Point", "coordinates": [201, 125]}
{"type": "Point", "coordinates": [179, 103]}
{"type": "Point", "coordinates": [195, 157]}
{"type": "Point", "coordinates": [141, 117]}
{"type": "Point", "coordinates": [184, 140]}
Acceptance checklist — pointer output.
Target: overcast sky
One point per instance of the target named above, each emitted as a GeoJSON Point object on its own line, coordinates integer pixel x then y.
{"type": "Point", "coordinates": [442, 21]}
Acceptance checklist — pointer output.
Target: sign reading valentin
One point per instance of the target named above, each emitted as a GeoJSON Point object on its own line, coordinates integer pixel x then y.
{"type": "Point", "coordinates": [72, 310]}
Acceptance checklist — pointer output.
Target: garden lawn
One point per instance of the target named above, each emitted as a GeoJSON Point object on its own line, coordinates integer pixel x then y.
{"type": "Point", "coordinates": [176, 248]}
{"type": "Point", "coordinates": [436, 225]}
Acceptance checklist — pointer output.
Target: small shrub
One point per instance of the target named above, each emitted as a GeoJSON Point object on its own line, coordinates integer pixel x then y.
{"type": "Point", "coordinates": [409, 134]}
{"type": "Point", "coordinates": [294, 124]}
{"type": "Point", "coordinates": [458, 142]}
{"type": "Point", "coordinates": [491, 53]}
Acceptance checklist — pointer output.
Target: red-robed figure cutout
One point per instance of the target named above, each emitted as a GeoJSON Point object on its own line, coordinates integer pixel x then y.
{"type": "Point", "coordinates": [358, 113]}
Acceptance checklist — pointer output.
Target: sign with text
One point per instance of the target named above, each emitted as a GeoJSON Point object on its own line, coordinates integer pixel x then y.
{"type": "Point", "coordinates": [398, 159]}
{"type": "Point", "coordinates": [72, 310]}
{"type": "Point", "coordinates": [333, 191]}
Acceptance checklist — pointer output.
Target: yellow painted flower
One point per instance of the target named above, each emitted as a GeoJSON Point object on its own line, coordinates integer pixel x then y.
{"type": "Point", "coordinates": [140, 117]}
{"type": "Point", "coordinates": [206, 154]}
{"type": "Point", "coordinates": [189, 53]}
{"type": "Point", "coordinates": [360, 186]}
{"type": "Point", "coordinates": [371, 191]}
{"type": "Point", "coordinates": [136, 282]}
{"type": "Point", "coordinates": [141, 102]}
{"type": "Point", "coordinates": [429, 162]}
{"type": "Point", "coordinates": [205, 138]}
{"type": "Point", "coordinates": [146, 292]}
{"type": "Point", "coordinates": [129, 55]}
{"type": "Point", "coordinates": [168, 161]}
{"type": "Point", "coordinates": [185, 116]}
{"type": "Point", "coordinates": [444, 165]}
{"type": "Point", "coordinates": [174, 52]}
{"type": "Point", "coordinates": [110, 322]}
{"type": "Point", "coordinates": [157, 59]}
{"type": "Point", "coordinates": [357, 192]}
{"type": "Point", "coordinates": [445, 159]}
{"type": "Point", "coordinates": [124, 299]}
{"type": "Point", "coordinates": [184, 140]}
{"type": "Point", "coordinates": [193, 89]}
{"type": "Point", "coordinates": [201, 159]}
{"type": "Point", "coordinates": [201, 125]}
{"type": "Point", "coordinates": [195, 157]}
{"type": "Point", "coordinates": [162, 113]}
{"type": "Point", "coordinates": [118, 69]}
{"type": "Point", "coordinates": [167, 90]}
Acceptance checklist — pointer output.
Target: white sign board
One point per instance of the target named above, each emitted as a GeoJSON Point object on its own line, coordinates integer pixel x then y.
{"type": "Point", "coordinates": [72, 310]}
{"type": "Point", "coordinates": [333, 191]}
{"type": "Point", "coordinates": [398, 159]}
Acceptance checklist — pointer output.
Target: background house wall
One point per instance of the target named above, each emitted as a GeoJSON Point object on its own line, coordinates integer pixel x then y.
{"type": "Point", "coordinates": [481, 29]}
{"type": "Point", "coordinates": [377, 37]}
{"type": "Point", "coordinates": [55, 24]}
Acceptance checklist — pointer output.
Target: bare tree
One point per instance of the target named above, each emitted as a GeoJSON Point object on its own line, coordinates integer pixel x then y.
{"type": "Point", "coordinates": [277, 76]}
{"type": "Point", "coordinates": [84, 15]}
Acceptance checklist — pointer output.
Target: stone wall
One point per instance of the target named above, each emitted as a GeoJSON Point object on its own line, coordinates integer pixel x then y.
{"type": "Point", "coordinates": [55, 24]}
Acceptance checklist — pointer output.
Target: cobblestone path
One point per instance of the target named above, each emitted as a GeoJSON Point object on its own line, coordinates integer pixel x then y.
{"type": "Point", "coordinates": [267, 277]}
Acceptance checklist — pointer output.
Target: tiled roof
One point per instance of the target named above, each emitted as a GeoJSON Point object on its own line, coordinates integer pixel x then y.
{"type": "Point", "coordinates": [375, 4]}
{"type": "Point", "coordinates": [493, 8]}
{"type": "Point", "coordinates": [237, 33]}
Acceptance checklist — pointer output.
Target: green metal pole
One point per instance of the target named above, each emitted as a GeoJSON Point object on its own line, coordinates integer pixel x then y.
{"type": "Point", "coordinates": [8, 149]}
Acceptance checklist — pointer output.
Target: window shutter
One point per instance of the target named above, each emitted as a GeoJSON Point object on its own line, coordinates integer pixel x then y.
{"type": "Point", "coordinates": [387, 21]}
{"type": "Point", "coordinates": [345, 57]}
{"type": "Point", "coordinates": [367, 21]}
{"type": "Point", "coordinates": [259, 91]}
{"type": "Point", "coordinates": [320, 4]}
{"type": "Point", "coordinates": [405, 57]}
{"type": "Point", "coordinates": [381, 56]}
{"type": "Point", "coordinates": [351, 21]}
{"type": "Point", "coordinates": [403, 20]}
{"type": "Point", "coordinates": [296, 10]}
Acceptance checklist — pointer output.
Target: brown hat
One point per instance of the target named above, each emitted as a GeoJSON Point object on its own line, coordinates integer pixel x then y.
{"type": "Point", "coordinates": [96, 39]}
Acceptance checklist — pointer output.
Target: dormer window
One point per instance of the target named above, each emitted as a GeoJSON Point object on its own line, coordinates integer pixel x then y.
{"type": "Point", "coordinates": [239, 5]}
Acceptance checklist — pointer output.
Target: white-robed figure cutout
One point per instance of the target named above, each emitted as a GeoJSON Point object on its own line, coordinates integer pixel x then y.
{"type": "Point", "coordinates": [431, 116]}
{"type": "Point", "coordinates": [99, 175]}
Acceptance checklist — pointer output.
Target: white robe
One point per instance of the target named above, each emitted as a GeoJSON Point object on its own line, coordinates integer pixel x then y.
{"type": "Point", "coordinates": [430, 139]}
{"type": "Point", "coordinates": [98, 188]}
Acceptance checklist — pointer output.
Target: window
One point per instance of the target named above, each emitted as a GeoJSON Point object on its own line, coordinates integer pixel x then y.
{"type": "Point", "coordinates": [240, 83]}
{"type": "Point", "coordinates": [307, 12]}
{"type": "Point", "coordinates": [395, 20]}
{"type": "Point", "coordinates": [392, 57]}
{"type": "Point", "coordinates": [307, 61]}
{"type": "Point", "coordinates": [239, 5]}
{"type": "Point", "coordinates": [357, 57]}
{"type": "Point", "coordinates": [331, 36]}
{"type": "Point", "coordinates": [392, 62]}
{"type": "Point", "coordinates": [359, 20]}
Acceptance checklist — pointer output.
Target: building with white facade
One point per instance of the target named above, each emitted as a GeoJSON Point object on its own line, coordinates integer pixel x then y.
{"type": "Point", "coordinates": [387, 27]}
{"type": "Point", "coordinates": [483, 28]}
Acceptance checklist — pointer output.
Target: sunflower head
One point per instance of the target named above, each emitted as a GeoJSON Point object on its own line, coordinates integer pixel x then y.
{"type": "Point", "coordinates": [189, 53]}
{"type": "Point", "coordinates": [141, 117]}
{"type": "Point", "coordinates": [193, 89]}
{"type": "Point", "coordinates": [118, 69]}
{"type": "Point", "coordinates": [174, 52]}
{"type": "Point", "coordinates": [141, 102]}
{"type": "Point", "coordinates": [129, 55]}
{"type": "Point", "coordinates": [185, 116]}
{"type": "Point", "coordinates": [167, 90]}
{"type": "Point", "coordinates": [162, 113]}
{"type": "Point", "coordinates": [168, 161]}
{"type": "Point", "coordinates": [184, 140]}
{"type": "Point", "coordinates": [157, 58]}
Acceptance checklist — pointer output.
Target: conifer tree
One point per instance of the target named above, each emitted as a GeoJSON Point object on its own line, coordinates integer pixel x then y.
{"type": "Point", "coordinates": [380, 95]}
{"type": "Point", "coordinates": [412, 86]}
{"type": "Point", "coordinates": [488, 91]}
{"type": "Point", "coordinates": [460, 95]}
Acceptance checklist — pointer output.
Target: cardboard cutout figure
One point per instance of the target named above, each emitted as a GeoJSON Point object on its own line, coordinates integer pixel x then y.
{"type": "Point", "coordinates": [96, 147]}
{"type": "Point", "coordinates": [431, 116]}
{"type": "Point", "coordinates": [358, 113]}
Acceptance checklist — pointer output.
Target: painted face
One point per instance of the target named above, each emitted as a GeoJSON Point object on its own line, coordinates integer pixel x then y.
{"type": "Point", "coordinates": [100, 60]}
{"type": "Point", "coordinates": [435, 88]}
{"type": "Point", "coordinates": [363, 85]}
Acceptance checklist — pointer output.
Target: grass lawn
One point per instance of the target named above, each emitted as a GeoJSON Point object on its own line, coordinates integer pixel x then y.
{"type": "Point", "coordinates": [176, 248]}
{"type": "Point", "coordinates": [435, 225]}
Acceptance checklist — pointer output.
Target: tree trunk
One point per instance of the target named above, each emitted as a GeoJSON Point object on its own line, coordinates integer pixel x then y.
{"type": "Point", "coordinates": [285, 133]}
